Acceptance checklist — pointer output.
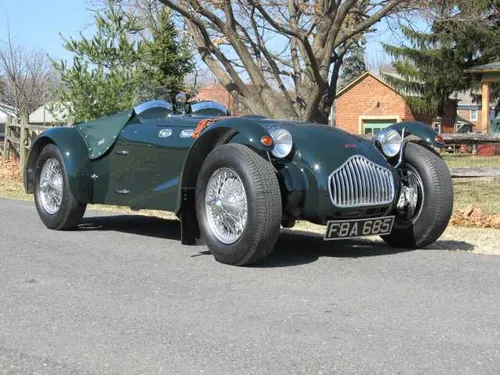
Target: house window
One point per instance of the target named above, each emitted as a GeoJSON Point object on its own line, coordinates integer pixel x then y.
{"type": "Point", "coordinates": [473, 114]}
{"type": "Point", "coordinates": [372, 127]}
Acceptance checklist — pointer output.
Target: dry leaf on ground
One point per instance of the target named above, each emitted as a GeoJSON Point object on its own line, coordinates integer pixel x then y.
{"type": "Point", "coordinates": [9, 170]}
{"type": "Point", "coordinates": [473, 216]}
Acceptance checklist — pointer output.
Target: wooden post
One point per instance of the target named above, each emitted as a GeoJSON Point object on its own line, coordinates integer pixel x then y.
{"type": "Point", "coordinates": [23, 142]}
{"type": "Point", "coordinates": [6, 145]}
{"type": "Point", "coordinates": [485, 107]}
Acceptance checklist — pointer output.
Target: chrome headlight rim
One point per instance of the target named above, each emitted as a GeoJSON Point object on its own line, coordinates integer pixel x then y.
{"type": "Point", "coordinates": [390, 142]}
{"type": "Point", "coordinates": [283, 142]}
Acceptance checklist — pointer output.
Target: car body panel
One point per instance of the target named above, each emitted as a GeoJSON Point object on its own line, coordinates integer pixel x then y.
{"type": "Point", "coordinates": [419, 129]}
{"type": "Point", "coordinates": [306, 173]}
{"type": "Point", "coordinates": [101, 134]}
{"type": "Point", "coordinates": [76, 161]}
{"type": "Point", "coordinates": [142, 168]}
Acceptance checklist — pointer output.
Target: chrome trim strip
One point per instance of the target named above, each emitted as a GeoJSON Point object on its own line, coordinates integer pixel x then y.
{"type": "Point", "coordinates": [139, 108]}
{"type": "Point", "coordinates": [198, 106]}
{"type": "Point", "coordinates": [359, 182]}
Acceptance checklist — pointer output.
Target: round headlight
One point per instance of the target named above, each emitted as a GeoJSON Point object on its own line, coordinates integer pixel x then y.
{"type": "Point", "coordinates": [282, 142]}
{"type": "Point", "coordinates": [390, 142]}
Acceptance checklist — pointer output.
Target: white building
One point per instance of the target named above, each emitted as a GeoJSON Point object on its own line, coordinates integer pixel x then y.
{"type": "Point", "coordinates": [50, 113]}
{"type": "Point", "coordinates": [5, 112]}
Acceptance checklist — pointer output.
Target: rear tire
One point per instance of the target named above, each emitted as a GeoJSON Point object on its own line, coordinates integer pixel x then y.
{"type": "Point", "coordinates": [54, 201]}
{"type": "Point", "coordinates": [434, 206]}
{"type": "Point", "coordinates": [238, 205]}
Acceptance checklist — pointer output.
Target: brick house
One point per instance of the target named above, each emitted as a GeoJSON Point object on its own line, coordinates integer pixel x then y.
{"type": "Point", "coordinates": [369, 104]}
{"type": "Point", "coordinates": [216, 92]}
{"type": "Point", "coordinates": [469, 109]}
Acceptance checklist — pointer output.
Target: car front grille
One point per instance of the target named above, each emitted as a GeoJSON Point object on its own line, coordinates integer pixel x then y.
{"type": "Point", "coordinates": [359, 182]}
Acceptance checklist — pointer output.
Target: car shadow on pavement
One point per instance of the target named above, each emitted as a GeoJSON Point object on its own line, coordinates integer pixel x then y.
{"type": "Point", "coordinates": [135, 224]}
{"type": "Point", "coordinates": [298, 247]}
{"type": "Point", "coordinates": [293, 247]}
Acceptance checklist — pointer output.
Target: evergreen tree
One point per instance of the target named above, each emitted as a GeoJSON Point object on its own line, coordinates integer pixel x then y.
{"type": "Point", "coordinates": [353, 64]}
{"type": "Point", "coordinates": [431, 66]}
{"type": "Point", "coordinates": [167, 60]}
{"type": "Point", "coordinates": [104, 76]}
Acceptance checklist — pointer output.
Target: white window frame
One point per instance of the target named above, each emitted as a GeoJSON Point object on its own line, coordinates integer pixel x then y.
{"type": "Point", "coordinates": [474, 115]}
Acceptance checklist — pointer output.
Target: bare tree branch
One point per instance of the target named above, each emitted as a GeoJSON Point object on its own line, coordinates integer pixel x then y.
{"type": "Point", "coordinates": [267, 49]}
{"type": "Point", "coordinates": [28, 77]}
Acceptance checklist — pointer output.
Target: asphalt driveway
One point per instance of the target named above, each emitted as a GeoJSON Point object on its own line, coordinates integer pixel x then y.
{"type": "Point", "coordinates": [121, 295]}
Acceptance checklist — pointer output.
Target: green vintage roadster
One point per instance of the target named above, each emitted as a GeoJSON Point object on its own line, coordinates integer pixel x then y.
{"type": "Point", "coordinates": [233, 181]}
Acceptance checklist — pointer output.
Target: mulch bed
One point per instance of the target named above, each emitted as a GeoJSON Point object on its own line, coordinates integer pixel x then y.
{"type": "Point", "coordinates": [9, 170]}
{"type": "Point", "coordinates": [473, 216]}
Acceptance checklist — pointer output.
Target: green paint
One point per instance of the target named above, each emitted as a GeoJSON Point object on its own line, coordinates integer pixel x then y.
{"type": "Point", "coordinates": [419, 129]}
{"type": "Point", "coordinates": [157, 170]}
{"type": "Point", "coordinates": [101, 134]}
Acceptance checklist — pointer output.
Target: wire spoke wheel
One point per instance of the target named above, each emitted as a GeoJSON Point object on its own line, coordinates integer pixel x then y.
{"type": "Point", "coordinates": [51, 186]}
{"type": "Point", "coordinates": [226, 205]}
{"type": "Point", "coordinates": [411, 199]}
{"type": "Point", "coordinates": [426, 199]}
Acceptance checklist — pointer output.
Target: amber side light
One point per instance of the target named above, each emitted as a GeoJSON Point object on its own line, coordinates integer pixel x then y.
{"type": "Point", "coordinates": [439, 139]}
{"type": "Point", "coordinates": [266, 141]}
{"type": "Point", "coordinates": [201, 126]}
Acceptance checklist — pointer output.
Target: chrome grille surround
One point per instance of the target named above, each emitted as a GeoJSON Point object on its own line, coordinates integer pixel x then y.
{"type": "Point", "coordinates": [359, 183]}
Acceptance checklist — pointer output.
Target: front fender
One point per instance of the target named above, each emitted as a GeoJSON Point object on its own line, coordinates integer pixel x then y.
{"type": "Point", "coordinates": [420, 130]}
{"type": "Point", "coordinates": [232, 130]}
{"type": "Point", "coordinates": [75, 156]}
{"type": "Point", "coordinates": [240, 130]}
{"type": "Point", "coordinates": [243, 130]}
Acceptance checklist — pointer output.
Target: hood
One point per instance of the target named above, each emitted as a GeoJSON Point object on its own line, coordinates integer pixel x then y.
{"type": "Point", "coordinates": [325, 145]}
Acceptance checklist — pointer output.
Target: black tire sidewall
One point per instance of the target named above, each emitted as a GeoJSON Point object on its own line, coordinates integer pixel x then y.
{"type": "Point", "coordinates": [225, 157]}
{"type": "Point", "coordinates": [57, 220]}
{"type": "Point", "coordinates": [419, 223]}
{"type": "Point", "coordinates": [436, 207]}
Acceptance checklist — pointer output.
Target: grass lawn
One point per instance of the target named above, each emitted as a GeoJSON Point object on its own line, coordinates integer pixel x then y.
{"type": "Point", "coordinates": [471, 161]}
{"type": "Point", "coordinates": [483, 192]}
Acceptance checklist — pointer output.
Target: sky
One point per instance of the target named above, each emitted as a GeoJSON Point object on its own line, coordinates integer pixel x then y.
{"type": "Point", "coordinates": [38, 24]}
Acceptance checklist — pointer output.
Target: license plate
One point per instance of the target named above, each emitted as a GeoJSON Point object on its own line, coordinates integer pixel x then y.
{"type": "Point", "coordinates": [340, 229]}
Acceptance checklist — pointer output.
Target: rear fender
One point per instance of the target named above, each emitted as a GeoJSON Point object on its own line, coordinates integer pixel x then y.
{"type": "Point", "coordinates": [420, 130]}
{"type": "Point", "coordinates": [75, 155]}
{"type": "Point", "coordinates": [232, 130]}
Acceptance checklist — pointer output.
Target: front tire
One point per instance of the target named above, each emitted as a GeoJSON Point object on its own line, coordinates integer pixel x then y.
{"type": "Point", "coordinates": [54, 201]}
{"type": "Point", "coordinates": [423, 215]}
{"type": "Point", "coordinates": [238, 205]}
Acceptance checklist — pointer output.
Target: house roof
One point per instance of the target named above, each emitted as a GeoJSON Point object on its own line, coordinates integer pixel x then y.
{"type": "Point", "coordinates": [49, 113]}
{"type": "Point", "coordinates": [463, 120]}
{"type": "Point", "coordinates": [360, 78]}
{"type": "Point", "coordinates": [465, 98]}
{"type": "Point", "coordinates": [8, 110]}
{"type": "Point", "coordinates": [491, 67]}
{"type": "Point", "coordinates": [469, 99]}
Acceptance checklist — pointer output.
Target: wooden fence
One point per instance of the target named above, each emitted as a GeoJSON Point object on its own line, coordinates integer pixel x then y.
{"type": "Point", "coordinates": [18, 139]}
{"type": "Point", "coordinates": [473, 139]}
